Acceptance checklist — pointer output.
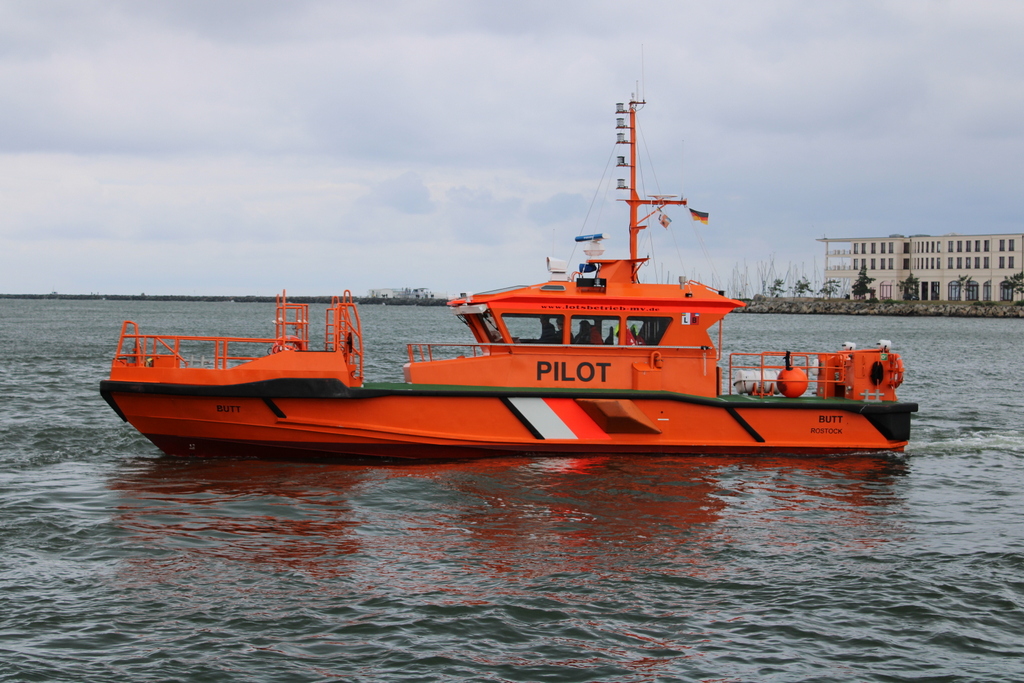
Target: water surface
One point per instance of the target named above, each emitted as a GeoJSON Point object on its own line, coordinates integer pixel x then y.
{"type": "Point", "coordinates": [120, 564]}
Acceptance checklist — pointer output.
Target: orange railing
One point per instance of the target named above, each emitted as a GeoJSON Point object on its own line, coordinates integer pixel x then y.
{"type": "Point", "coordinates": [756, 373]}
{"type": "Point", "coordinates": [344, 332]}
{"type": "Point", "coordinates": [425, 353]}
{"type": "Point", "coordinates": [291, 324]}
{"type": "Point", "coordinates": [169, 351]}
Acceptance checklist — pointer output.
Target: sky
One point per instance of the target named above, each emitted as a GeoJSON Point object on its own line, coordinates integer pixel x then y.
{"type": "Point", "coordinates": [246, 146]}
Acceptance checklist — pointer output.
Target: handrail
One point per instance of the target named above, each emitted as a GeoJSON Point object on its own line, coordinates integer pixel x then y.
{"type": "Point", "coordinates": [343, 332]}
{"type": "Point", "coordinates": [291, 324]}
{"type": "Point", "coordinates": [147, 348]}
{"type": "Point", "coordinates": [423, 352]}
{"type": "Point", "coordinates": [821, 373]}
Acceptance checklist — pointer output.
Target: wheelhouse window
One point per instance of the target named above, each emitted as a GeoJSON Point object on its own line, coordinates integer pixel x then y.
{"type": "Point", "coordinates": [534, 329]}
{"type": "Point", "coordinates": [646, 331]}
{"type": "Point", "coordinates": [593, 329]}
{"type": "Point", "coordinates": [484, 321]}
{"type": "Point", "coordinates": [490, 327]}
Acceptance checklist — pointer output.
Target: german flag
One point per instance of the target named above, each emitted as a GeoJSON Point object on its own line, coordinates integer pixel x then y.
{"type": "Point", "coordinates": [699, 216]}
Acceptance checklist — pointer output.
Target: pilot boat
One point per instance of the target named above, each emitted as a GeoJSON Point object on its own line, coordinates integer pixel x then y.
{"type": "Point", "coordinates": [592, 361]}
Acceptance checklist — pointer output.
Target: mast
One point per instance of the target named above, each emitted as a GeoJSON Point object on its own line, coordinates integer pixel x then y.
{"type": "Point", "coordinates": [635, 201]}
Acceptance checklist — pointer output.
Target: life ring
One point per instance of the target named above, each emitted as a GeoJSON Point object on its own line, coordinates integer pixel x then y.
{"type": "Point", "coordinates": [289, 344]}
{"type": "Point", "coordinates": [895, 370]}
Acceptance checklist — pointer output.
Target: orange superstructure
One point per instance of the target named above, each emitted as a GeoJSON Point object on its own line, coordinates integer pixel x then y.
{"type": "Point", "coordinates": [593, 361]}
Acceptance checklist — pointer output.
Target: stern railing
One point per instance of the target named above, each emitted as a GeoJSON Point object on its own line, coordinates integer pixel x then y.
{"type": "Point", "coordinates": [757, 373]}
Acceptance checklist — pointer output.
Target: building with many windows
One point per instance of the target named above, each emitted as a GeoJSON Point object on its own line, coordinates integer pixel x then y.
{"type": "Point", "coordinates": [950, 267]}
{"type": "Point", "coordinates": [406, 293]}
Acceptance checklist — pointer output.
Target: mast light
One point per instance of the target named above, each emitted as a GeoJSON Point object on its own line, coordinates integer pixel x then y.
{"type": "Point", "coordinates": [622, 184]}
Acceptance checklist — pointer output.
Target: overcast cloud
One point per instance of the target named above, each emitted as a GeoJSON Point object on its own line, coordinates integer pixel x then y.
{"type": "Point", "coordinates": [239, 146]}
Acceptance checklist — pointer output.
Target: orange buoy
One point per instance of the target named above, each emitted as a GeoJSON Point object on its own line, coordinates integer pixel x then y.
{"type": "Point", "coordinates": [792, 382]}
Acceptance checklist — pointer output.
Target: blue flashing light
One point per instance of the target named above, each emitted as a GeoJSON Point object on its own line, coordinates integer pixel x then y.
{"type": "Point", "coordinates": [588, 238]}
{"type": "Point", "coordinates": [588, 267]}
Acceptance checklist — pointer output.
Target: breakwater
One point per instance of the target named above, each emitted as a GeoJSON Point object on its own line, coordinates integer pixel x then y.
{"type": "Point", "coordinates": [898, 308]}
{"type": "Point", "coordinates": [361, 300]}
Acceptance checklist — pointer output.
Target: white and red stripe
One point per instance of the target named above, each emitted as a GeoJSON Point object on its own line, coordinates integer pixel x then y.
{"type": "Point", "coordinates": [556, 418]}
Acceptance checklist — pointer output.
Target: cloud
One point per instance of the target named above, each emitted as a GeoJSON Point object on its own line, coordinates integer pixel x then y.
{"type": "Point", "coordinates": [406, 194]}
{"type": "Point", "coordinates": [477, 132]}
{"type": "Point", "coordinates": [563, 206]}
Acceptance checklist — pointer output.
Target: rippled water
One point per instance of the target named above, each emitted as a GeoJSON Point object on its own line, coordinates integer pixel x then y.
{"type": "Point", "coordinates": [120, 564]}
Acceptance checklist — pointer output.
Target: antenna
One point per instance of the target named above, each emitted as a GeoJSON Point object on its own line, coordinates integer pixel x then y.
{"type": "Point", "coordinates": [682, 167]}
{"type": "Point", "coordinates": [643, 79]}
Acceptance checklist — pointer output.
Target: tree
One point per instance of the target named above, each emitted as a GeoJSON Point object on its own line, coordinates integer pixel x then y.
{"type": "Point", "coordinates": [911, 288]}
{"type": "Point", "coordinates": [961, 286]}
{"type": "Point", "coordinates": [829, 288]}
{"type": "Point", "coordinates": [777, 288]}
{"type": "Point", "coordinates": [862, 287]}
{"type": "Point", "coordinates": [1016, 282]}
{"type": "Point", "coordinates": [802, 287]}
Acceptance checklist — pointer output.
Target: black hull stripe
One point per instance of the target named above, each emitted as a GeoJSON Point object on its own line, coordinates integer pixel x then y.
{"type": "Point", "coordinates": [746, 425]}
{"type": "Point", "coordinates": [335, 389]}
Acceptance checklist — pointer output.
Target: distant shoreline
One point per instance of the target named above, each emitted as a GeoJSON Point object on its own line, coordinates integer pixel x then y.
{"type": "Point", "coordinates": [364, 301]}
{"type": "Point", "coordinates": [947, 309]}
{"type": "Point", "coordinates": [766, 306]}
